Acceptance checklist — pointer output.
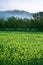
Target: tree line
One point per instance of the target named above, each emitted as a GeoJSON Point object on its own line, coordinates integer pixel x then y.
{"type": "Point", "coordinates": [35, 23]}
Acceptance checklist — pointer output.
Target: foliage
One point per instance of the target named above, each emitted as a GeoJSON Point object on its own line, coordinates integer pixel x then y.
{"type": "Point", "coordinates": [35, 23]}
{"type": "Point", "coordinates": [19, 48]}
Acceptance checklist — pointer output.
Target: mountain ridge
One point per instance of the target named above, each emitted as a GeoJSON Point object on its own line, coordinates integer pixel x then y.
{"type": "Point", "coordinates": [15, 13]}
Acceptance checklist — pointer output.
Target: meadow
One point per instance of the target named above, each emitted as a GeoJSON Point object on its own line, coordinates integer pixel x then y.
{"type": "Point", "coordinates": [21, 48]}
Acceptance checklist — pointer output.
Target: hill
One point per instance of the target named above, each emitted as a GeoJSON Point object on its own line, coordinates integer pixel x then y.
{"type": "Point", "coordinates": [15, 13]}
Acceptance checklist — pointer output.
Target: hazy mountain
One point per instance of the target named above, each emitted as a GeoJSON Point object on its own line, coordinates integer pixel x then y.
{"type": "Point", "coordinates": [15, 13]}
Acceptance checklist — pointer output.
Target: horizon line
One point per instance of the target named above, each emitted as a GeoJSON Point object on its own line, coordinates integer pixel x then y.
{"type": "Point", "coordinates": [19, 10]}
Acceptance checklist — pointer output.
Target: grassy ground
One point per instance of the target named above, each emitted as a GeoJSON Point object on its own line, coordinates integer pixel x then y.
{"type": "Point", "coordinates": [21, 48]}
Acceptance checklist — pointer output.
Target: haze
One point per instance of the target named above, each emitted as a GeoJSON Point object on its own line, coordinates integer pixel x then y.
{"type": "Point", "coordinates": [27, 5]}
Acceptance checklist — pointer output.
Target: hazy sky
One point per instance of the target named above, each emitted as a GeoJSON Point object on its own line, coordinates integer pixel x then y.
{"type": "Point", "coordinates": [28, 5]}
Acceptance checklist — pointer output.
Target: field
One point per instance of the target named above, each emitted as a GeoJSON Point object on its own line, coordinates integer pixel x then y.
{"type": "Point", "coordinates": [21, 48]}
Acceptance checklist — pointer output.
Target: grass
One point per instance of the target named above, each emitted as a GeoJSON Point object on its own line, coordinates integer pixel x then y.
{"type": "Point", "coordinates": [21, 48]}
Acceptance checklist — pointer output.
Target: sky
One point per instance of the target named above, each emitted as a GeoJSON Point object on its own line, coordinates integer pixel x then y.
{"type": "Point", "coordinates": [27, 5]}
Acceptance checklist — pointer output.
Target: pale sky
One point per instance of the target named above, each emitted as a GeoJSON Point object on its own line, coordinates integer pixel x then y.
{"type": "Point", "coordinates": [27, 5]}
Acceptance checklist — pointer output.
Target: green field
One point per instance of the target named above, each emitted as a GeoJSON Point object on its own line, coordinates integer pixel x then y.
{"type": "Point", "coordinates": [21, 48]}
